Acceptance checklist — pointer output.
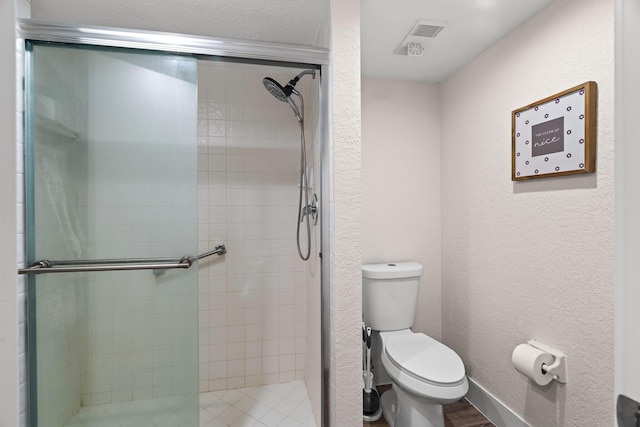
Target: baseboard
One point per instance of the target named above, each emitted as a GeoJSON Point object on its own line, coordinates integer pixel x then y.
{"type": "Point", "coordinates": [492, 408]}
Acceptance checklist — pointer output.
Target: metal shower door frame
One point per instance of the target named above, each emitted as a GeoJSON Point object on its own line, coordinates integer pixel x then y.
{"type": "Point", "coordinates": [258, 52]}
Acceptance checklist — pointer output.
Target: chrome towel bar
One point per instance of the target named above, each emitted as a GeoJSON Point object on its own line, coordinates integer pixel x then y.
{"type": "Point", "coordinates": [44, 266]}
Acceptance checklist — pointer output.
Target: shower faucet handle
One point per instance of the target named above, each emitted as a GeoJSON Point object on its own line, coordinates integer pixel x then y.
{"type": "Point", "coordinates": [312, 210]}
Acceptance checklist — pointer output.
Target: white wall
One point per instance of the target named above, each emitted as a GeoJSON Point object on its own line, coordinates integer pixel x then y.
{"type": "Point", "coordinates": [401, 185]}
{"type": "Point", "coordinates": [346, 252]}
{"type": "Point", "coordinates": [9, 407]}
{"type": "Point", "coordinates": [531, 259]}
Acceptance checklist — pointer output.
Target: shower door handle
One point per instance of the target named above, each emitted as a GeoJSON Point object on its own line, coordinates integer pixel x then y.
{"type": "Point", "coordinates": [82, 266]}
{"type": "Point", "coordinates": [44, 266]}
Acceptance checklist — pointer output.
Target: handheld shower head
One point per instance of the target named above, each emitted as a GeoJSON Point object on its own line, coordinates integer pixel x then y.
{"type": "Point", "coordinates": [284, 93]}
{"type": "Point", "coordinates": [276, 89]}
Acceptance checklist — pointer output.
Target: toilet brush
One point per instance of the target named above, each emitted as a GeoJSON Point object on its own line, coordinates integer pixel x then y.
{"type": "Point", "coordinates": [364, 347]}
{"type": "Point", "coordinates": [370, 397]}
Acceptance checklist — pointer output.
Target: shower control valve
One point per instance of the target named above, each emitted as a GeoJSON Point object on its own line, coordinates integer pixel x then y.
{"type": "Point", "coordinates": [312, 210]}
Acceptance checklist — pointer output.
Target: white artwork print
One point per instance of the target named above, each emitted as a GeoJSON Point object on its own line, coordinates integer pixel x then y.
{"type": "Point", "coordinates": [550, 137]}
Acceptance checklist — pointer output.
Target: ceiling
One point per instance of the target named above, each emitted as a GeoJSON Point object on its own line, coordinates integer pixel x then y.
{"type": "Point", "coordinates": [281, 21]}
{"type": "Point", "coordinates": [471, 26]}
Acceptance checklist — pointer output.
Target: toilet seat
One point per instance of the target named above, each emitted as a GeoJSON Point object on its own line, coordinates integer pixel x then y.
{"type": "Point", "coordinates": [410, 351]}
{"type": "Point", "coordinates": [415, 366]}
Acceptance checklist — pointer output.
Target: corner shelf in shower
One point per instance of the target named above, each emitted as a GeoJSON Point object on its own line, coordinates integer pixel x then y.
{"type": "Point", "coordinates": [55, 127]}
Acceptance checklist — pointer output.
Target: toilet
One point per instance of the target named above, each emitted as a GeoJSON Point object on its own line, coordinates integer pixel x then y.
{"type": "Point", "coordinates": [425, 374]}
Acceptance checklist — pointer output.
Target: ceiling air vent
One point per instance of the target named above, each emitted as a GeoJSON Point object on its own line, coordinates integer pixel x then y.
{"type": "Point", "coordinates": [415, 49]}
{"type": "Point", "coordinates": [426, 30]}
{"type": "Point", "coordinates": [414, 42]}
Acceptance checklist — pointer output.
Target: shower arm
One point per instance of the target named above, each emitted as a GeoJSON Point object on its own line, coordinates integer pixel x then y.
{"type": "Point", "coordinates": [312, 72]}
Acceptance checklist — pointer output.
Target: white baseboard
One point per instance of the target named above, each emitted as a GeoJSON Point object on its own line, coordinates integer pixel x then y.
{"type": "Point", "coordinates": [492, 408]}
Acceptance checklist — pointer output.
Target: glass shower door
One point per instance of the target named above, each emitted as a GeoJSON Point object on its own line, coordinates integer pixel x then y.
{"type": "Point", "coordinates": [111, 176]}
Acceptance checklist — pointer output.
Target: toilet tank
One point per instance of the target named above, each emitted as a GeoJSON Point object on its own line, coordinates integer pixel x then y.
{"type": "Point", "coordinates": [390, 295]}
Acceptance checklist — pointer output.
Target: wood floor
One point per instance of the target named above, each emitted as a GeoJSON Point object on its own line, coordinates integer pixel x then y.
{"type": "Point", "coordinates": [458, 414]}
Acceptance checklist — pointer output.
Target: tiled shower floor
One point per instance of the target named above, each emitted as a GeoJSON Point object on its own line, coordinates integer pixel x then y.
{"type": "Point", "coordinates": [281, 405]}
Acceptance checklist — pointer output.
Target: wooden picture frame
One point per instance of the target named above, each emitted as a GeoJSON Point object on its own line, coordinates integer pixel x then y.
{"type": "Point", "coordinates": [555, 136]}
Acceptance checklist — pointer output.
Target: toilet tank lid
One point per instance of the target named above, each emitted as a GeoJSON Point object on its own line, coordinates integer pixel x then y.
{"type": "Point", "coordinates": [392, 270]}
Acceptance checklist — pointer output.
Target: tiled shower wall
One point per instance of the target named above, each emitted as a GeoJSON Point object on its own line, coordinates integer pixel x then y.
{"type": "Point", "coordinates": [252, 301]}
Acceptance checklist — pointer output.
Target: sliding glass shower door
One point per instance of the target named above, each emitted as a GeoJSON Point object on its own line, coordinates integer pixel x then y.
{"type": "Point", "coordinates": [111, 181]}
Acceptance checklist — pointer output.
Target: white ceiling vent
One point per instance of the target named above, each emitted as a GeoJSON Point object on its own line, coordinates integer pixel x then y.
{"type": "Point", "coordinates": [426, 30]}
{"type": "Point", "coordinates": [415, 49]}
{"type": "Point", "coordinates": [414, 42]}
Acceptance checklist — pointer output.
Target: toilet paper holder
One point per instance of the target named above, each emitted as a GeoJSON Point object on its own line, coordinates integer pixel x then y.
{"type": "Point", "coordinates": [559, 366]}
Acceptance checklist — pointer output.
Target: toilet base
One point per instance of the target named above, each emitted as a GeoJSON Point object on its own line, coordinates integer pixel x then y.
{"type": "Point", "coordinates": [402, 409]}
{"type": "Point", "coordinates": [388, 405]}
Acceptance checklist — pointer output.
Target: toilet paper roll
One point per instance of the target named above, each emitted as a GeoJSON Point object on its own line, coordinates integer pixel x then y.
{"type": "Point", "coordinates": [528, 360]}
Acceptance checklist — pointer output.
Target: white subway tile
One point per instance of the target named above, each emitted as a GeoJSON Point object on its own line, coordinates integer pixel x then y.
{"type": "Point", "coordinates": [235, 368]}
{"type": "Point", "coordinates": [235, 382]}
{"type": "Point", "coordinates": [216, 128]}
{"type": "Point", "coordinates": [218, 370]}
{"type": "Point", "coordinates": [253, 349]}
{"type": "Point", "coordinates": [218, 352]}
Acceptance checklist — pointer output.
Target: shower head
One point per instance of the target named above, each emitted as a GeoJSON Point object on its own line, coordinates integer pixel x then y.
{"type": "Point", "coordinates": [276, 89]}
{"type": "Point", "coordinates": [284, 93]}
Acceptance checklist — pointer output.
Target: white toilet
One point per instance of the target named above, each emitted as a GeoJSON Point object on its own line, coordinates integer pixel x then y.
{"type": "Point", "coordinates": [425, 374]}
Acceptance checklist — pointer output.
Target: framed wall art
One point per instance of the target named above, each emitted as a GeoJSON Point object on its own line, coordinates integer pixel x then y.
{"type": "Point", "coordinates": [555, 136]}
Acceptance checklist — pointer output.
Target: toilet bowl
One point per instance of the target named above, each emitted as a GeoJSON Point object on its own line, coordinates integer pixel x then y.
{"type": "Point", "coordinates": [425, 374]}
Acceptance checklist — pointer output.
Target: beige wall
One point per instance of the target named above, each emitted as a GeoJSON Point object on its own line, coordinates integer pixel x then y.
{"type": "Point", "coordinates": [531, 259]}
{"type": "Point", "coordinates": [401, 185]}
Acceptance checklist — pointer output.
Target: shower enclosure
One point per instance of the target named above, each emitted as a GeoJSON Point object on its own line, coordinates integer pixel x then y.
{"type": "Point", "coordinates": [144, 150]}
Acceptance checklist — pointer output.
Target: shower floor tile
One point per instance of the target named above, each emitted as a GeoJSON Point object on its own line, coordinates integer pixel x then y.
{"type": "Point", "coordinates": [280, 405]}
{"type": "Point", "coordinates": [276, 405]}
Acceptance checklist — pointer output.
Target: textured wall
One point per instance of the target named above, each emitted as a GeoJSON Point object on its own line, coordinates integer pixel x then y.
{"type": "Point", "coordinates": [346, 255]}
{"type": "Point", "coordinates": [531, 259]}
{"type": "Point", "coordinates": [401, 185]}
